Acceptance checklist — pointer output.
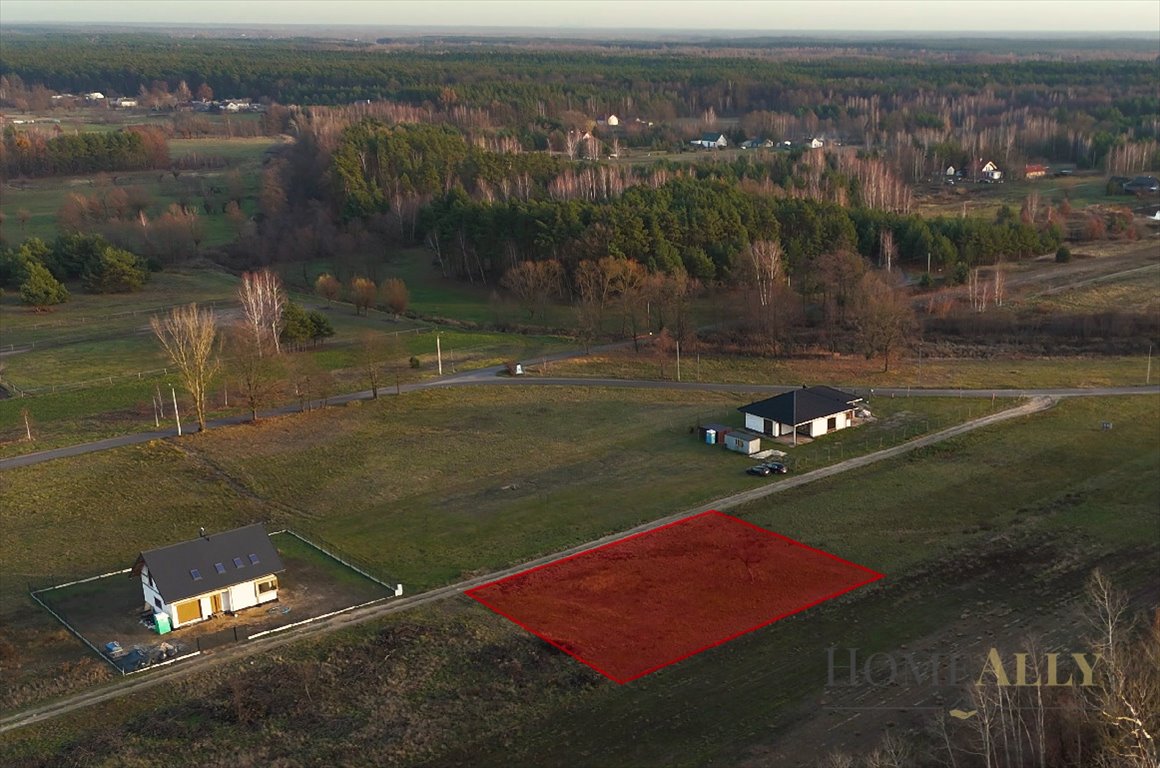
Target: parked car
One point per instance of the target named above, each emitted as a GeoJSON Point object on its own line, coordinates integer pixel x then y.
{"type": "Point", "coordinates": [767, 469]}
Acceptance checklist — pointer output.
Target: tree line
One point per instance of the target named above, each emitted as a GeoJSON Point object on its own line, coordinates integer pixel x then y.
{"type": "Point", "coordinates": [37, 153]}
{"type": "Point", "coordinates": [39, 271]}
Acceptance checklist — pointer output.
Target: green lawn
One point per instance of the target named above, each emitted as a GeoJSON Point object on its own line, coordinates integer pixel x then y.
{"type": "Point", "coordinates": [856, 371]}
{"type": "Point", "coordinates": [997, 526]}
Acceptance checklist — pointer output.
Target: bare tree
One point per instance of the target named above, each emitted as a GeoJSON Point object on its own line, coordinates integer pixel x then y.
{"type": "Point", "coordinates": [327, 287]}
{"type": "Point", "coordinates": [257, 377]}
{"type": "Point", "coordinates": [534, 283]}
{"type": "Point", "coordinates": [375, 352]}
{"type": "Point", "coordinates": [1127, 695]}
{"type": "Point", "coordinates": [362, 294]}
{"type": "Point", "coordinates": [765, 269]}
{"type": "Point", "coordinates": [263, 302]}
{"type": "Point", "coordinates": [396, 296]}
{"type": "Point", "coordinates": [883, 316]}
{"type": "Point", "coordinates": [189, 336]}
{"type": "Point", "coordinates": [887, 247]}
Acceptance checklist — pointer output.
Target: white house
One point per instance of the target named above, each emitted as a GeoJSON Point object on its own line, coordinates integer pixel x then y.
{"type": "Point", "coordinates": [612, 121]}
{"type": "Point", "coordinates": [124, 102]}
{"type": "Point", "coordinates": [809, 411]}
{"type": "Point", "coordinates": [95, 96]}
{"type": "Point", "coordinates": [711, 141]}
{"type": "Point", "coordinates": [815, 143]}
{"type": "Point", "coordinates": [214, 573]}
{"type": "Point", "coordinates": [990, 172]}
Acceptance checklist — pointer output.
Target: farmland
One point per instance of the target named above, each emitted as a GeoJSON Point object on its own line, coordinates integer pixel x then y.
{"type": "Point", "coordinates": [992, 508]}
{"type": "Point", "coordinates": [482, 199]}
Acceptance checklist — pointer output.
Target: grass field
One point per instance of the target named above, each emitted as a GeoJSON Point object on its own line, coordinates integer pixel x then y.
{"type": "Point", "coordinates": [42, 198]}
{"type": "Point", "coordinates": [856, 371]}
{"type": "Point", "coordinates": [989, 535]}
{"type": "Point", "coordinates": [985, 200]}
{"type": "Point", "coordinates": [430, 488]}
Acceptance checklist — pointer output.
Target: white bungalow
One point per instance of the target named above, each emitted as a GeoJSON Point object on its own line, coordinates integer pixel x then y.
{"type": "Point", "coordinates": [815, 143]}
{"type": "Point", "coordinates": [711, 141]}
{"type": "Point", "coordinates": [214, 573]}
{"type": "Point", "coordinates": [812, 412]}
{"type": "Point", "coordinates": [990, 172]}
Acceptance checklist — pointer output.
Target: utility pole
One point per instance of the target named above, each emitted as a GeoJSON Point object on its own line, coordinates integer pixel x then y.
{"type": "Point", "coordinates": [928, 262]}
{"type": "Point", "coordinates": [439, 354]}
{"type": "Point", "coordinates": [1148, 375]}
{"type": "Point", "coordinates": [176, 414]}
{"type": "Point", "coordinates": [678, 360]}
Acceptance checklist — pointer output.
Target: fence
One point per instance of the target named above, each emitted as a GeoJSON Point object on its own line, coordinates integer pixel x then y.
{"type": "Point", "coordinates": [356, 564]}
{"type": "Point", "coordinates": [228, 635]}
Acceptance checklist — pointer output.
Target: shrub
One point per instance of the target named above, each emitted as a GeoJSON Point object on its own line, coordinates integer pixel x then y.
{"type": "Point", "coordinates": [415, 362]}
{"type": "Point", "coordinates": [1063, 255]}
{"type": "Point", "coordinates": [40, 289]}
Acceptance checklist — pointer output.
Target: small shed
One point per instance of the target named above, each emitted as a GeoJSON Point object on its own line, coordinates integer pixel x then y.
{"type": "Point", "coordinates": [743, 442]}
{"type": "Point", "coordinates": [719, 431]}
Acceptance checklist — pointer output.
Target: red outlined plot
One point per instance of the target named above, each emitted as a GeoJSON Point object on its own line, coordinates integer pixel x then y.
{"type": "Point", "coordinates": [650, 600]}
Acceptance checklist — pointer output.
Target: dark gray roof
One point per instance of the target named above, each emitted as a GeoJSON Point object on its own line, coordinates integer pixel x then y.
{"type": "Point", "coordinates": [171, 567]}
{"type": "Point", "coordinates": [712, 136]}
{"type": "Point", "coordinates": [801, 405]}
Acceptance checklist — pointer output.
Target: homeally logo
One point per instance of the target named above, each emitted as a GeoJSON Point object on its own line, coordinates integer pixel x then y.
{"type": "Point", "coordinates": [849, 668]}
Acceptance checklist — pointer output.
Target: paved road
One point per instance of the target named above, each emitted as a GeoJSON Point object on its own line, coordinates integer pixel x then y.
{"type": "Point", "coordinates": [491, 376]}
{"type": "Point", "coordinates": [779, 485]}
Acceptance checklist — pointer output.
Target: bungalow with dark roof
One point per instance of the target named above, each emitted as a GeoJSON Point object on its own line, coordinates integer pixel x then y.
{"type": "Point", "coordinates": [711, 141]}
{"type": "Point", "coordinates": [214, 573]}
{"type": "Point", "coordinates": [809, 411]}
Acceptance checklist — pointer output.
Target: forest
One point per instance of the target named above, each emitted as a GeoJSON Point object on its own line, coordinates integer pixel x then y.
{"type": "Point", "coordinates": [1058, 107]}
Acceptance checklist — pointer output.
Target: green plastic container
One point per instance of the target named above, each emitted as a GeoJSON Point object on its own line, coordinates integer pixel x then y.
{"type": "Point", "coordinates": [161, 621]}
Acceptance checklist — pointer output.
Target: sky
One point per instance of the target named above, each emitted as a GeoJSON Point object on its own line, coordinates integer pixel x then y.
{"type": "Point", "coordinates": [755, 16]}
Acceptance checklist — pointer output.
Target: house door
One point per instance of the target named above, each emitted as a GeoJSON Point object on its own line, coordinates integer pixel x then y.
{"type": "Point", "coordinates": [831, 423]}
{"type": "Point", "coordinates": [188, 611]}
{"type": "Point", "coordinates": [769, 428]}
{"type": "Point", "coordinates": [215, 601]}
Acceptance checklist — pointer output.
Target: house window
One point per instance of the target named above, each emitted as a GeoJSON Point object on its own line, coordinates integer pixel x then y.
{"type": "Point", "coordinates": [220, 568]}
{"type": "Point", "coordinates": [253, 559]}
{"type": "Point", "coordinates": [831, 423]}
{"type": "Point", "coordinates": [267, 586]}
{"type": "Point", "coordinates": [238, 562]}
{"type": "Point", "coordinates": [160, 605]}
{"type": "Point", "coordinates": [196, 574]}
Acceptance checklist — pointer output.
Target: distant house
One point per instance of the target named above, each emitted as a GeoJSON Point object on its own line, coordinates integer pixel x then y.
{"type": "Point", "coordinates": [124, 103]}
{"type": "Point", "coordinates": [95, 96]}
{"type": "Point", "coordinates": [990, 172]}
{"type": "Point", "coordinates": [756, 144]}
{"type": "Point", "coordinates": [1034, 171]}
{"type": "Point", "coordinates": [815, 143]}
{"type": "Point", "coordinates": [949, 172]}
{"type": "Point", "coordinates": [612, 121]}
{"type": "Point", "coordinates": [711, 141]}
{"type": "Point", "coordinates": [809, 411]}
{"type": "Point", "coordinates": [215, 573]}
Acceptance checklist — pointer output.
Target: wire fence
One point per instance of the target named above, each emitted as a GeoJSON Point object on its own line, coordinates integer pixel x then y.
{"type": "Point", "coordinates": [150, 659]}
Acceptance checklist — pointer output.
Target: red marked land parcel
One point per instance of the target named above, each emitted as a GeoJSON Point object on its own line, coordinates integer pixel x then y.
{"type": "Point", "coordinates": [633, 606]}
